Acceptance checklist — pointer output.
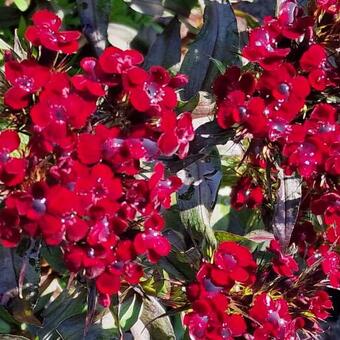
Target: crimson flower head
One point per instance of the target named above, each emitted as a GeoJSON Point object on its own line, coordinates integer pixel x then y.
{"type": "Point", "coordinates": [262, 48]}
{"type": "Point", "coordinates": [151, 91]}
{"type": "Point", "coordinates": [177, 133]}
{"type": "Point", "coordinates": [91, 80]}
{"type": "Point", "coordinates": [26, 77]}
{"type": "Point", "coordinates": [45, 32]}
{"type": "Point", "coordinates": [274, 317]}
{"type": "Point", "coordinates": [283, 264]}
{"type": "Point", "coordinates": [288, 92]}
{"type": "Point", "coordinates": [210, 320]}
{"type": "Point", "coordinates": [233, 263]}
{"type": "Point", "coordinates": [246, 194]}
{"type": "Point", "coordinates": [313, 61]}
{"type": "Point", "coordinates": [116, 61]}
{"type": "Point", "coordinates": [12, 170]}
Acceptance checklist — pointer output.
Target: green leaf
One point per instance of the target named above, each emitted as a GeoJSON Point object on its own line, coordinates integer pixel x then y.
{"type": "Point", "coordinates": [94, 17]}
{"type": "Point", "coordinates": [54, 257]}
{"type": "Point", "coordinates": [218, 39]}
{"type": "Point", "coordinates": [4, 46]}
{"type": "Point", "coordinates": [22, 4]}
{"type": "Point", "coordinates": [166, 50]}
{"type": "Point", "coordinates": [197, 197]}
{"type": "Point", "coordinates": [4, 327]}
{"type": "Point", "coordinates": [156, 321]}
{"type": "Point", "coordinates": [286, 207]}
{"type": "Point", "coordinates": [129, 310]}
{"type": "Point", "coordinates": [227, 236]}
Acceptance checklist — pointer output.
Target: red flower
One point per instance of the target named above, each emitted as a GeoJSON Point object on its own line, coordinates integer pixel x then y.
{"type": "Point", "coordinates": [10, 233]}
{"type": "Point", "coordinates": [153, 243]}
{"type": "Point", "coordinates": [45, 32]}
{"type": "Point", "coordinates": [12, 170]}
{"type": "Point", "coordinates": [232, 263]}
{"type": "Point", "coordinates": [283, 264]}
{"type": "Point", "coordinates": [313, 61]}
{"type": "Point", "coordinates": [320, 303]}
{"type": "Point", "coordinates": [246, 193]}
{"type": "Point", "coordinates": [262, 48]}
{"type": "Point", "coordinates": [288, 92]}
{"type": "Point", "coordinates": [92, 79]}
{"type": "Point", "coordinates": [150, 91]}
{"type": "Point", "coordinates": [273, 315]}
{"type": "Point", "coordinates": [116, 61]}
{"type": "Point", "coordinates": [328, 206]}
{"type": "Point", "coordinates": [108, 283]}
{"type": "Point", "coordinates": [233, 80]}
{"type": "Point", "coordinates": [177, 133]}
{"type": "Point", "coordinates": [26, 78]}
{"type": "Point", "coordinates": [290, 22]}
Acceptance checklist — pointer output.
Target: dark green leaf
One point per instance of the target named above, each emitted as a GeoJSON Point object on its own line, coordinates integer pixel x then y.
{"type": "Point", "coordinates": [54, 257]}
{"type": "Point", "coordinates": [95, 19]}
{"type": "Point", "coordinates": [130, 309]}
{"type": "Point", "coordinates": [166, 50]}
{"type": "Point", "coordinates": [218, 39]}
{"type": "Point", "coordinates": [287, 207]}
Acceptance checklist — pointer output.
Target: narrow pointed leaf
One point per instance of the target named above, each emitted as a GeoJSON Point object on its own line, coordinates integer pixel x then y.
{"type": "Point", "coordinates": [166, 50]}
{"type": "Point", "coordinates": [219, 40]}
{"type": "Point", "coordinates": [286, 208]}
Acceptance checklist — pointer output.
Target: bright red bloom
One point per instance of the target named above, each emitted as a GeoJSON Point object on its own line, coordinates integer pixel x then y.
{"type": "Point", "coordinates": [177, 133]}
{"type": "Point", "coordinates": [116, 61]}
{"type": "Point", "coordinates": [313, 61]}
{"type": "Point", "coordinates": [288, 92]}
{"type": "Point", "coordinates": [150, 91]}
{"type": "Point", "coordinates": [320, 305]}
{"type": "Point", "coordinates": [153, 243]}
{"type": "Point", "coordinates": [210, 320]}
{"type": "Point", "coordinates": [283, 264]}
{"type": "Point", "coordinates": [12, 170]}
{"type": "Point", "coordinates": [291, 22]}
{"type": "Point", "coordinates": [45, 32]}
{"type": "Point", "coordinates": [246, 193]}
{"type": "Point", "coordinates": [328, 206]}
{"type": "Point", "coordinates": [262, 48]}
{"type": "Point", "coordinates": [92, 79]}
{"type": "Point", "coordinates": [273, 315]}
{"type": "Point", "coordinates": [232, 263]}
{"type": "Point", "coordinates": [26, 77]}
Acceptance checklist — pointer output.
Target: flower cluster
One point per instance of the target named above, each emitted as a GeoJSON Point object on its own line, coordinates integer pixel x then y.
{"type": "Point", "coordinates": [78, 174]}
{"type": "Point", "coordinates": [280, 109]}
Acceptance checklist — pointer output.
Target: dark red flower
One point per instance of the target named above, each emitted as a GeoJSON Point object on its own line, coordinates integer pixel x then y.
{"type": "Point", "coordinates": [313, 61]}
{"type": "Point", "coordinates": [12, 170]}
{"type": "Point", "coordinates": [262, 48]}
{"type": "Point", "coordinates": [247, 194]}
{"type": "Point", "coordinates": [92, 79]}
{"type": "Point", "coordinates": [45, 32]}
{"type": "Point", "coordinates": [273, 315]}
{"type": "Point", "coordinates": [26, 77]}
{"type": "Point", "coordinates": [320, 304]}
{"type": "Point", "coordinates": [177, 132]}
{"type": "Point", "coordinates": [283, 264]}
{"type": "Point", "coordinates": [150, 91]}
{"type": "Point", "coordinates": [116, 61]}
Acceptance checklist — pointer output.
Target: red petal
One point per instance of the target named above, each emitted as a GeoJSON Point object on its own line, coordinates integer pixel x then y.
{"type": "Point", "coordinates": [108, 283]}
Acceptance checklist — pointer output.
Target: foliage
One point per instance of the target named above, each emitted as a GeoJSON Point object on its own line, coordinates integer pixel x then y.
{"type": "Point", "coordinates": [162, 178]}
